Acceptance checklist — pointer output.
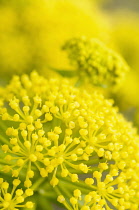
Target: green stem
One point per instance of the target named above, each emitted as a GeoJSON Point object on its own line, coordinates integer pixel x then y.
{"type": "Point", "coordinates": [48, 194]}
{"type": "Point", "coordinates": [5, 140]}
{"type": "Point", "coordinates": [93, 161]}
{"type": "Point", "coordinates": [57, 190]}
{"type": "Point", "coordinates": [2, 125]}
{"type": "Point", "coordinates": [4, 162]}
{"type": "Point", "coordinates": [85, 188]}
{"type": "Point", "coordinates": [37, 183]}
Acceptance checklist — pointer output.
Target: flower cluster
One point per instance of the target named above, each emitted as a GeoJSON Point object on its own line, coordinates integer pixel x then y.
{"type": "Point", "coordinates": [109, 192]}
{"type": "Point", "coordinates": [95, 62]}
{"type": "Point", "coordinates": [15, 199]}
{"type": "Point", "coordinates": [53, 130]}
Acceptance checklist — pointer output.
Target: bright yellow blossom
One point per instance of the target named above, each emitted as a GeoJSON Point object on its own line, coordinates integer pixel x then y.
{"type": "Point", "coordinates": [72, 138]}
{"type": "Point", "coordinates": [14, 199]}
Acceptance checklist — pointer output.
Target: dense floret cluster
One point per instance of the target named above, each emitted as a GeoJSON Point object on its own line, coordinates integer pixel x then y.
{"type": "Point", "coordinates": [53, 130]}
{"type": "Point", "coordinates": [95, 62]}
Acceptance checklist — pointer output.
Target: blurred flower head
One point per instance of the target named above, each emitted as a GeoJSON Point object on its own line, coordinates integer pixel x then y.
{"type": "Point", "coordinates": [125, 33]}
{"type": "Point", "coordinates": [95, 62]}
{"type": "Point", "coordinates": [33, 31]}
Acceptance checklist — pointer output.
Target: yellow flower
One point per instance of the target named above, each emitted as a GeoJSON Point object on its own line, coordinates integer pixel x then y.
{"type": "Point", "coordinates": [53, 130]}
{"type": "Point", "coordinates": [95, 62]}
{"type": "Point", "coordinates": [14, 199]}
{"type": "Point", "coordinates": [110, 188]}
